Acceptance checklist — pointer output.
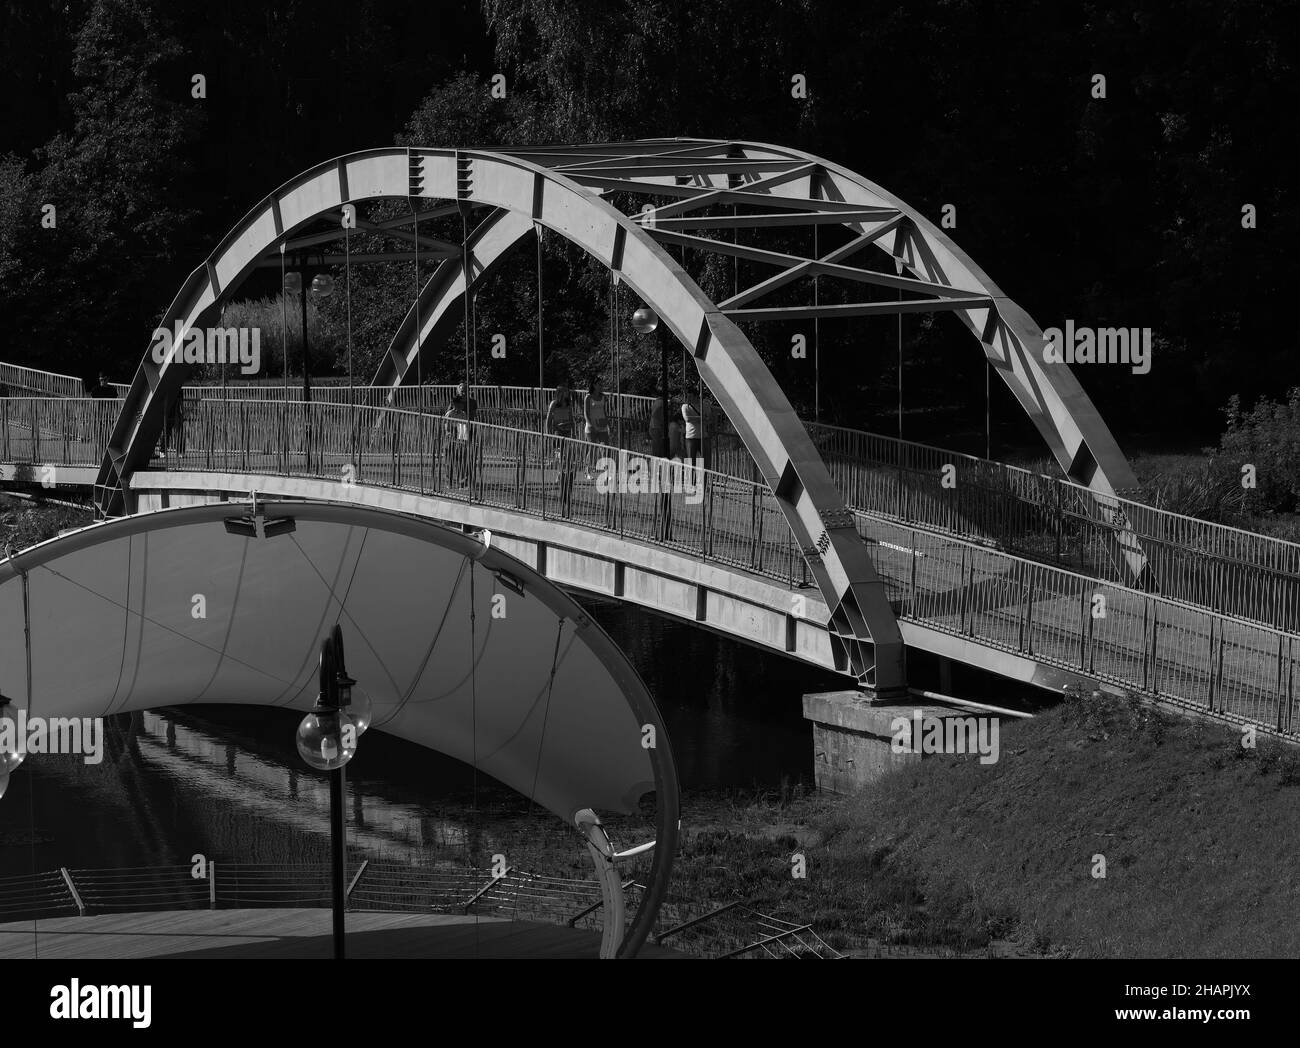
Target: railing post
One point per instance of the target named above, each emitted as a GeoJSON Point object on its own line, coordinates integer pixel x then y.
{"type": "Point", "coordinates": [544, 446]}
{"type": "Point", "coordinates": [1029, 618]}
{"type": "Point", "coordinates": [1146, 631]}
{"type": "Point", "coordinates": [1281, 677]}
{"type": "Point", "coordinates": [1020, 591]}
{"type": "Point", "coordinates": [1155, 645]}
{"type": "Point", "coordinates": [1216, 643]}
{"type": "Point", "coordinates": [72, 889]}
{"type": "Point", "coordinates": [212, 886]}
{"type": "Point", "coordinates": [965, 586]}
{"type": "Point", "coordinates": [1059, 519]}
{"type": "Point", "coordinates": [1092, 647]}
{"type": "Point", "coordinates": [1085, 627]}
{"type": "Point", "coordinates": [911, 598]}
{"type": "Point", "coordinates": [356, 879]}
{"type": "Point", "coordinates": [1284, 718]}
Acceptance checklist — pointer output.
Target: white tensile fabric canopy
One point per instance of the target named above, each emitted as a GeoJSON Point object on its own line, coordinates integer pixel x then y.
{"type": "Point", "coordinates": [169, 608]}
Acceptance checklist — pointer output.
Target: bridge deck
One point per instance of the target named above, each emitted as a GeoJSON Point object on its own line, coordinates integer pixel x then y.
{"type": "Point", "coordinates": [936, 578]}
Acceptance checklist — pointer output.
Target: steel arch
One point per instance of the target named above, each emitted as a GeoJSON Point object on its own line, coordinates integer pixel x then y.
{"type": "Point", "coordinates": [700, 173]}
{"type": "Point", "coordinates": [862, 621]}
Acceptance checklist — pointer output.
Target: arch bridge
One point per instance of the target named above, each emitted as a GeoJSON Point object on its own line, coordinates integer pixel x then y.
{"type": "Point", "coordinates": [506, 196]}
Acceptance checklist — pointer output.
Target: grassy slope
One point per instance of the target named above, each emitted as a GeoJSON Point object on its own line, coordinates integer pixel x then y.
{"type": "Point", "coordinates": [1200, 836]}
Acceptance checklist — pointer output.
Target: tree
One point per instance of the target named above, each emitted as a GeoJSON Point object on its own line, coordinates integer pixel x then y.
{"type": "Point", "coordinates": [115, 180]}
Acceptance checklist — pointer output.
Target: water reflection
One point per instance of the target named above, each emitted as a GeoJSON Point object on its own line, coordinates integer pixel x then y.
{"type": "Point", "coordinates": [227, 781]}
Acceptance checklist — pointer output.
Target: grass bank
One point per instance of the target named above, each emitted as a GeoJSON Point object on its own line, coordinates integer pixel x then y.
{"type": "Point", "coordinates": [1199, 836]}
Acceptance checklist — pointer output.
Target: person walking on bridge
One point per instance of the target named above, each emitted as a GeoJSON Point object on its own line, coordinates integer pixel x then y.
{"type": "Point", "coordinates": [596, 417]}
{"type": "Point", "coordinates": [561, 421]}
{"type": "Point", "coordinates": [693, 431]}
{"type": "Point", "coordinates": [460, 413]}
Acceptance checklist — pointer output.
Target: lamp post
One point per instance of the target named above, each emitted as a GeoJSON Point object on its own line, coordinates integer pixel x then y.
{"type": "Point", "coordinates": [645, 322]}
{"type": "Point", "coordinates": [322, 285]}
{"type": "Point", "coordinates": [13, 749]}
{"type": "Point", "coordinates": [327, 740]}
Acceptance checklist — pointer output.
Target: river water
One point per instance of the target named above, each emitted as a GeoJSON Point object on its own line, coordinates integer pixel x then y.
{"type": "Point", "coordinates": [228, 782]}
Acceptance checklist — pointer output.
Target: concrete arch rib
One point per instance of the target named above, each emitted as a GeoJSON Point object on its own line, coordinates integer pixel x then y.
{"type": "Point", "coordinates": [862, 621]}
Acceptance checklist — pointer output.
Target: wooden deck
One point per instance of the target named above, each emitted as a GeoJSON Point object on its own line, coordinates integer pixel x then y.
{"type": "Point", "coordinates": [294, 934]}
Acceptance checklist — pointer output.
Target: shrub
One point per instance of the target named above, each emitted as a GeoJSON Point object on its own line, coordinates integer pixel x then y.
{"type": "Point", "coordinates": [1268, 438]}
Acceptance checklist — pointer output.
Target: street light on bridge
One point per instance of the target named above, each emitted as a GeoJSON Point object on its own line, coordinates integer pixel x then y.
{"type": "Point", "coordinates": [327, 740]}
{"type": "Point", "coordinates": [12, 745]}
{"type": "Point", "coordinates": [646, 322]}
{"type": "Point", "coordinates": [322, 286]}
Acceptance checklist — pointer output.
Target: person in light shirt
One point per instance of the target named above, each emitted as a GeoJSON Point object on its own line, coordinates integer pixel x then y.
{"type": "Point", "coordinates": [596, 417]}
{"type": "Point", "coordinates": [694, 432]}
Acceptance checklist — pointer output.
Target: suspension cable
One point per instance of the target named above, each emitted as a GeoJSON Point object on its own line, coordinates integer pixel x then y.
{"type": "Point", "coordinates": [473, 693]}
{"type": "Point", "coordinates": [284, 325]}
{"type": "Point", "coordinates": [468, 323]}
{"type": "Point", "coordinates": [613, 360]}
{"type": "Point", "coordinates": [616, 297]}
{"type": "Point", "coordinates": [817, 341]}
{"type": "Point", "coordinates": [284, 350]}
{"type": "Point", "coordinates": [419, 367]}
{"type": "Point", "coordinates": [988, 409]}
{"type": "Point", "coordinates": [541, 370]}
{"type": "Point", "coordinates": [900, 360]}
{"type": "Point", "coordinates": [546, 713]}
{"type": "Point", "coordinates": [347, 295]}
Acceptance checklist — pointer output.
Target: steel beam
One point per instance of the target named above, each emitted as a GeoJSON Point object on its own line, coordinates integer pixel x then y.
{"type": "Point", "coordinates": [861, 309]}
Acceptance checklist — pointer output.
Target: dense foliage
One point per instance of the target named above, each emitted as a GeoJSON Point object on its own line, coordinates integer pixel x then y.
{"type": "Point", "coordinates": [1125, 210]}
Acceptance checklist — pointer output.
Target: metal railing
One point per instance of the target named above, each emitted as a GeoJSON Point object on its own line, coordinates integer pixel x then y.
{"type": "Point", "coordinates": [1149, 643]}
{"type": "Point", "coordinates": [1042, 517]}
{"type": "Point", "coordinates": [377, 885]}
{"type": "Point", "coordinates": [57, 430]}
{"type": "Point", "coordinates": [1158, 645]}
{"type": "Point", "coordinates": [34, 382]}
{"type": "Point", "coordinates": [1050, 519]}
{"type": "Point", "coordinates": [695, 511]}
